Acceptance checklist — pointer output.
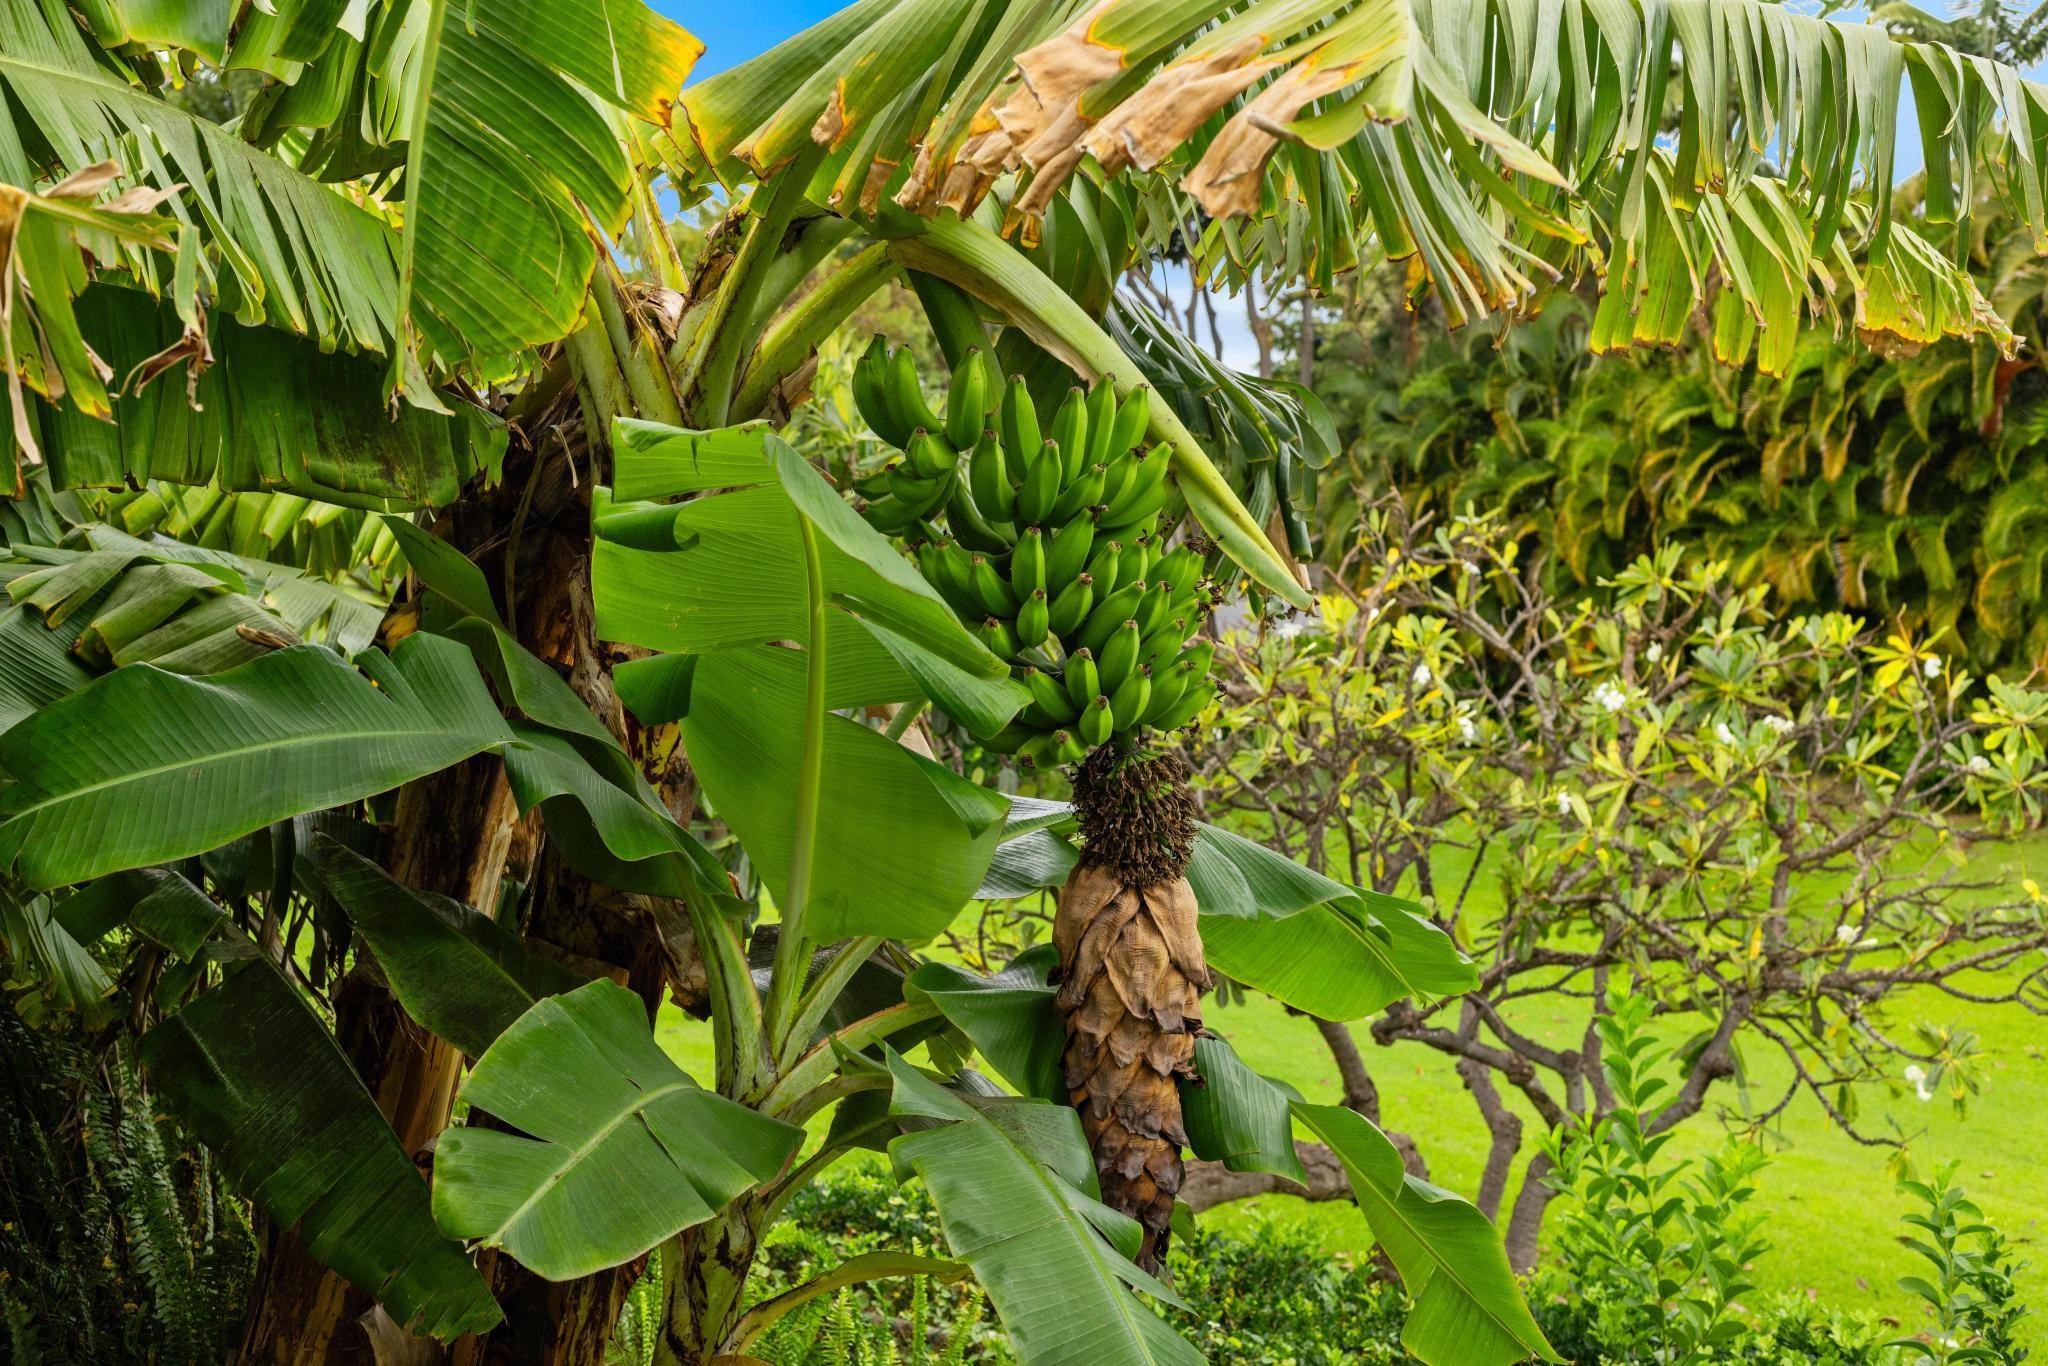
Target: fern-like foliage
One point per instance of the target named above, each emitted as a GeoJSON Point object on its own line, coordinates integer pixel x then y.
{"type": "Point", "coordinates": [117, 1243]}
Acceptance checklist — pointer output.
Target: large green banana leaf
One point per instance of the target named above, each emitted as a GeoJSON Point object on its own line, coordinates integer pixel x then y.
{"type": "Point", "coordinates": [144, 766]}
{"type": "Point", "coordinates": [456, 971]}
{"type": "Point", "coordinates": [1015, 1188]}
{"type": "Point", "coordinates": [258, 1078]}
{"type": "Point", "coordinates": [617, 1148]}
{"type": "Point", "coordinates": [722, 577]}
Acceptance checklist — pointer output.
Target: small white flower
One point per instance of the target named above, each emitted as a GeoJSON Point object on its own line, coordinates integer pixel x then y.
{"type": "Point", "coordinates": [1290, 628]}
{"type": "Point", "coordinates": [1723, 734]}
{"type": "Point", "coordinates": [1931, 666]}
{"type": "Point", "coordinates": [1845, 934]}
{"type": "Point", "coordinates": [1781, 724]}
{"type": "Point", "coordinates": [1609, 696]}
{"type": "Point", "coordinates": [1564, 803]}
{"type": "Point", "coordinates": [1467, 730]}
{"type": "Point", "coordinates": [1655, 652]}
{"type": "Point", "coordinates": [1916, 1076]}
{"type": "Point", "coordinates": [1467, 567]}
{"type": "Point", "coordinates": [1979, 764]}
{"type": "Point", "coordinates": [1422, 675]}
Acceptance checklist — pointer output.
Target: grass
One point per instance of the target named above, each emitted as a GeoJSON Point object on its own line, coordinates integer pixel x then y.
{"type": "Point", "coordinates": [1832, 1205]}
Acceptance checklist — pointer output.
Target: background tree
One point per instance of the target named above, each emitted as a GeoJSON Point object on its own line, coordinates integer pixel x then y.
{"type": "Point", "coordinates": [1767, 821]}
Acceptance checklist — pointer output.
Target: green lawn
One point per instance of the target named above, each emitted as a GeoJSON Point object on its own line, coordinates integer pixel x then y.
{"type": "Point", "coordinates": [1832, 1205]}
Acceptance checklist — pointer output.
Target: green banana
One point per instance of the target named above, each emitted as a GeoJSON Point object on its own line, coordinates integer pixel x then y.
{"type": "Point", "coordinates": [914, 491]}
{"type": "Point", "coordinates": [906, 395]}
{"type": "Point", "coordinates": [1097, 722]}
{"type": "Point", "coordinates": [871, 394]}
{"type": "Point", "coordinates": [1197, 696]}
{"type": "Point", "coordinates": [1050, 696]}
{"type": "Point", "coordinates": [1082, 679]}
{"type": "Point", "coordinates": [1119, 657]}
{"type": "Point", "coordinates": [887, 514]}
{"type": "Point", "coordinates": [968, 398]}
{"type": "Point", "coordinates": [1156, 608]}
{"type": "Point", "coordinates": [1133, 418]}
{"type": "Point", "coordinates": [1028, 572]}
{"type": "Point", "coordinates": [1072, 751]}
{"type": "Point", "coordinates": [1034, 619]}
{"type": "Point", "coordinates": [1067, 553]}
{"type": "Point", "coordinates": [1041, 487]}
{"type": "Point", "coordinates": [988, 479]}
{"type": "Point", "coordinates": [1042, 750]}
{"type": "Point", "coordinates": [1009, 739]}
{"type": "Point", "coordinates": [1199, 656]}
{"type": "Point", "coordinates": [968, 526]}
{"type": "Point", "coordinates": [1182, 568]}
{"type": "Point", "coordinates": [1083, 493]}
{"type": "Point", "coordinates": [1128, 704]}
{"type": "Point", "coordinates": [998, 636]}
{"type": "Point", "coordinates": [997, 597]}
{"type": "Point", "coordinates": [1018, 421]}
{"type": "Point", "coordinates": [1070, 608]}
{"type": "Point", "coordinates": [1147, 481]}
{"type": "Point", "coordinates": [1132, 565]}
{"type": "Point", "coordinates": [1103, 564]}
{"type": "Point", "coordinates": [1163, 646]}
{"type": "Point", "coordinates": [954, 583]}
{"type": "Point", "coordinates": [931, 456]}
{"type": "Point", "coordinates": [1070, 431]}
{"type": "Point", "coordinates": [1101, 422]}
{"type": "Point", "coordinates": [1108, 614]}
{"type": "Point", "coordinates": [1121, 468]}
{"type": "Point", "coordinates": [1167, 689]}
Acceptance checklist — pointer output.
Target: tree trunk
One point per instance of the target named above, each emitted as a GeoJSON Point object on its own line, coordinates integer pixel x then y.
{"type": "Point", "coordinates": [1505, 1128]}
{"type": "Point", "coordinates": [1525, 1225]}
{"type": "Point", "coordinates": [451, 835]}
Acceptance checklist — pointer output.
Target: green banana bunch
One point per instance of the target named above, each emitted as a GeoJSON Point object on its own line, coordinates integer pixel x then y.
{"type": "Point", "coordinates": [1044, 539]}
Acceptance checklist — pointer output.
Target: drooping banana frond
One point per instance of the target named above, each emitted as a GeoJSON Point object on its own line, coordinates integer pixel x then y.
{"type": "Point", "coordinates": [1499, 145]}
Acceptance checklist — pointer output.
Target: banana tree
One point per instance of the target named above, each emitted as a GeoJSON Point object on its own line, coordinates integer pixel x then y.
{"type": "Point", "coordinates": [425, 269]}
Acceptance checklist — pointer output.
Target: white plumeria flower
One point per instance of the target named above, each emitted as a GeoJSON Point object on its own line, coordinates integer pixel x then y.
{"type": "Point", "coordinates": [1781, 724]}
{"type": "Point", "coordinates": [1422, 675]}
{"type": "Point", "coordinates": [1847, 936]}
{"type": "Point", "coordinates": [1564, 803]}
{"type": "Point", "coordinates": [1655, 652]}
{"type": "Point", "coordinates": [1290, 628]}
{"type": "Point", "coordinates": [1723, 734]}
{"type": "Point", "coordinates": [1917, 1076]}
{"type": "Point", "coordinates": [1467, 730]}
{"type": "Point", "coordinates": [1609, 696]}
{"type": "Point", "coordinates": [1979, 764]}
{"type": "Point", "coordinates": [1931, 666]}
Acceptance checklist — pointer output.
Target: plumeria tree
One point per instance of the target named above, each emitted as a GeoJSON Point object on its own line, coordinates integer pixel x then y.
{"type": "Point", "coordinates": [1776, 827]}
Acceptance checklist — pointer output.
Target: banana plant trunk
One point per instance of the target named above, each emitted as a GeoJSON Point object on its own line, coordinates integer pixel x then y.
{"type": "Point", "coordinates": [707, 1288]}
{"type": "Point", "coordinates": [1131, 976]}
